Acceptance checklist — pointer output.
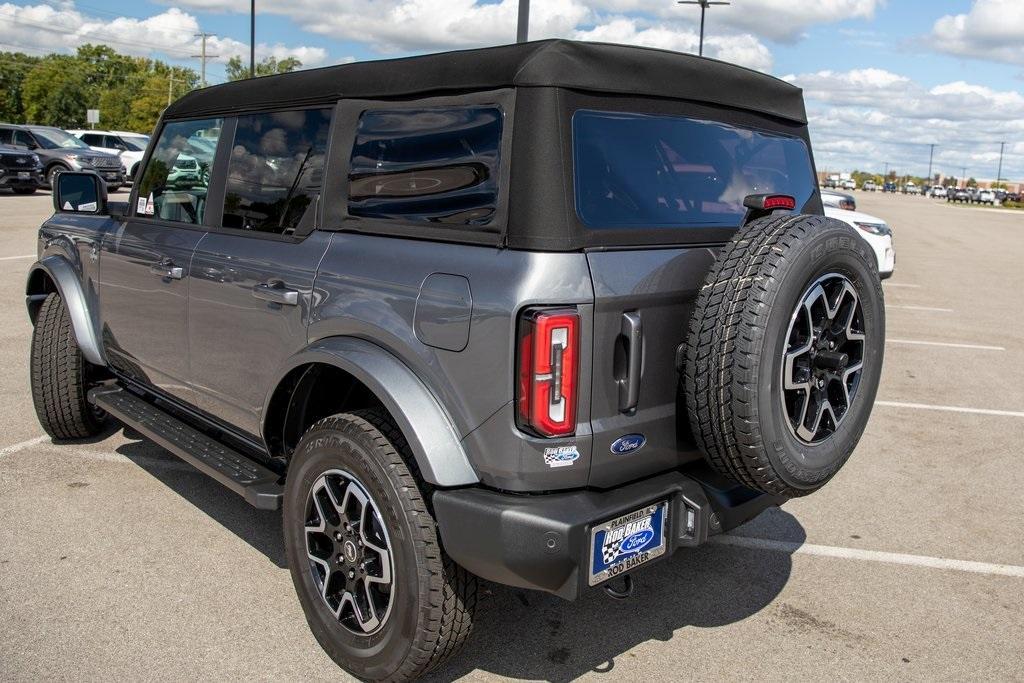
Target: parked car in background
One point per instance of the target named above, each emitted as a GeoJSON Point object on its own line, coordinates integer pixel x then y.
{"type": "Point", "coordinates": [20, 170]}
{"type": "Point", "coordinates": [937, 192]}
{"type": "Point", "coordinates": [985, 197]}
{"type": "Point", "coordinates": [911, 188]}
{"type": "Point", "coordinates": [848, 184]}
{"type": "Point", "coordinates": [889, 187]}
{"type": "Point", "coordinates": [869, 186]}
{"type": "Point", "coordinates": [60, 151]}
{"type": "Point", "coordinates": [875, 231]}
{"type": "Point", "coordinates": [958, 195]}
{"type": "Point", "coordinates": [839, 200]}
{"type": "Point", "coordinates": [130, 147]}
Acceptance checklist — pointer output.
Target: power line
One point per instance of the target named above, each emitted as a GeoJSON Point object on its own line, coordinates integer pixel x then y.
{"type": "Point", "coordinates": [87, 38]}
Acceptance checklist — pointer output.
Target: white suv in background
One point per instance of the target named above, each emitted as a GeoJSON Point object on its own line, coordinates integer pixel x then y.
{"type": "Point", "coordinates": [129, 146]}
{"type": "Point", "coordinates": [875, 232]}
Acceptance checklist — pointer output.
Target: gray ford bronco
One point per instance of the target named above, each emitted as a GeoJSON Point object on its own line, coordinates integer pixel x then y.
{"type": "Point", "coordinates": [537, 314]}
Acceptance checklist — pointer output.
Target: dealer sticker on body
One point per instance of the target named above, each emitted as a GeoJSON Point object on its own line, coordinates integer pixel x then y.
{"type": "Point", "coordinates": [626, 542]}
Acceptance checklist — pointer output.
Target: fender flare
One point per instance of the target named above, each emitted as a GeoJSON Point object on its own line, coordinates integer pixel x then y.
{"type": "Point", "coordinates": [65, 279]}
{"type": "Point", "coordinates": [433, 439]}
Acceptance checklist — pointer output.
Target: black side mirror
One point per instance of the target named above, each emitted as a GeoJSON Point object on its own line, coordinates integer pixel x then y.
{"type": "Point", "coordinates": [79, 193]}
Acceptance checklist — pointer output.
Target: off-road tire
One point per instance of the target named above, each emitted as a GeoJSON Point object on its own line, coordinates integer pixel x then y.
{"type": "Point", "coordinates": [432, 613]}
{"type": "Point", "coordinates": [737, 339]}
{"type": "Point", "coordinates": [60, 376]}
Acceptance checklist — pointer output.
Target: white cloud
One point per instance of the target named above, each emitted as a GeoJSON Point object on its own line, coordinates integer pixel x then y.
{"type": "Point", "coordinates": [44, 28]}
{"type": "Point", "coordinates": [742, 49]}
{"type": "Point", "coordinates": [866, 117]}
{"type": "Point", "coordinates": [993, 30]}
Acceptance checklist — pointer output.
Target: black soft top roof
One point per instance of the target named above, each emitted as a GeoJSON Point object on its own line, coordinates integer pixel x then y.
{"type": "Point", "coordinates": [594, 67]}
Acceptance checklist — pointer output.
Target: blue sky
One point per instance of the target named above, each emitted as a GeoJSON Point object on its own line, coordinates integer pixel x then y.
{"type": "Point", "coordinates": [883, 78]}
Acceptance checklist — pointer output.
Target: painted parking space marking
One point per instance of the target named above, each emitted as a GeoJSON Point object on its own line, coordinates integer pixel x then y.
{"type": "Point", "coordinates": [950, 345]}
{"type": "Point", "coordinates": [14, 448]}
{"type": "Point", "coordinates": [15, 258]}
{"type": "Point", "coordinates": [900, 284]}
{"type": "Point", "coordinates": [921, 308]}
{"type": "Point", "coordinates": [870, 555]}
{"type": "Point", "coordinates": [950, 409]}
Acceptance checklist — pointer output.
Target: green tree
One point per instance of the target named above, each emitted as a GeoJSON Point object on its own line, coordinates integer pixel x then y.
{"type": "Point", "coordinates": [55, 92]}
{"type": "Point", "coordinates": [236, 70]}
{"type": "Point", "coordinates": [14, 67]}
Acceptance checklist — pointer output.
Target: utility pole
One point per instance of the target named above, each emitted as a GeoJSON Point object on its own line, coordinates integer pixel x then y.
{"type": "Point", "coordinates": [523, 29]}
{"type": "Point", "coordinates": [886, 174]}
{"type": "Point", "coordinates": [252, 39]}
{"type": "Point", "coordinates": [704, 4]}
{"type": "Point", "coordinates": [203, 56]}
{"type": "Point", "coordinates": [931, 155]}
{"type": "Point", "coordinates": [963, 175]}
{"type": "Point", "coordinates": [999, 173]}
{"type": "Point", "coordinates": [170, 87]}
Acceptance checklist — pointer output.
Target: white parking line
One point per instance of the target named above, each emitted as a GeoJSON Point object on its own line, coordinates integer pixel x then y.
{"type": "Point", "coordinates": [23, 445]}
{"type": "Point", "coordinates": [921, 308]}
{"type": "Point", "coordinates": [170, 463]}
{"type": "Point", "coordinates": [950, 409]}
{"type": "Point", "coordinates": [982, 347]}
{"type": "Point", "coordinates": [900, 284]}
{"type": "Point", "coordinates": [870, 555]}
{"type": "Point", "coordinates": [14, 258]}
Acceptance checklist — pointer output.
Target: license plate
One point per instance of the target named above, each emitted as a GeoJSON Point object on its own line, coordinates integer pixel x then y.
{"type": "Point", "coordinates": [110, 176]}
{"type": "Point", "coordinates": [23, 175]}
{"type": "Point", "coordinates": [626, 542]}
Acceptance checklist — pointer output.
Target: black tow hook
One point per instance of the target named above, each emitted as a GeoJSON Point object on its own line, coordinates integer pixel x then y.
{"type": "Point", "coordinates": [627, 589]}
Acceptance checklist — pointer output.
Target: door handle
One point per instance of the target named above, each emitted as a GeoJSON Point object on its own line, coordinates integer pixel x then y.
{"type": "Point", "coordinates": [631, 335]}
{"type": "Point", "coordinates": [167, 269]}
{"type": "Point", "coordinates": [276, 292]}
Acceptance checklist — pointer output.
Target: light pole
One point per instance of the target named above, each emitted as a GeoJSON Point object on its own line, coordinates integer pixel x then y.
{"type": "Point", "coordinates": [999, 173]}
{"type": "Point", "coordinates": [252, 39]}
{"type": "Point", "coordinates": [704, 4]}
{"type": "Point", "coordinates": [523, 28]}
{"type": "Point", "coordinates": [963, 175]}
{"type": "Point", "coordinates": [931, 155]}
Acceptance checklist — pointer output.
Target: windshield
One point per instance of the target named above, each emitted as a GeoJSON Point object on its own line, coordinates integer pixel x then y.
{"type": "Point", "coordinates": [639, 170]}
{"type": "Point", "coordinates": [52, 138]}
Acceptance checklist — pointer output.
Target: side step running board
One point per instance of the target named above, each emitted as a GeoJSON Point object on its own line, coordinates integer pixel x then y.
{"type": "Point", "coordinates": [257, 484]}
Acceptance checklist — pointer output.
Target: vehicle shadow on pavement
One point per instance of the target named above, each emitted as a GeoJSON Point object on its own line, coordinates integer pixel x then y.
{"type": "Point", "coordinates": [259, 528]}
{"type": "Point", "coordinates": [530, 635]}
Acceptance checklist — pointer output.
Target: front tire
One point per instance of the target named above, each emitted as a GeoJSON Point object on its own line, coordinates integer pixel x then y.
{"type": "Point", "coordinates": [379, 593]}
{"type": "Point", "coordinates": [61, 376]}
{"type": "Point", "coordinates": [24, 190]}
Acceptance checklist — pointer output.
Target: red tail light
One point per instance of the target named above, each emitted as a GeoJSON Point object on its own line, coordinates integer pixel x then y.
{"type": "Point", "coordinates": [549, 344]}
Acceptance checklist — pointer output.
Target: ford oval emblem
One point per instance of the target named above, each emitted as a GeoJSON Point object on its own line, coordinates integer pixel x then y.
{"type": "Point", "coordinates": [637, 541]}
{"type": "Point", "coordinates": [630, 443]}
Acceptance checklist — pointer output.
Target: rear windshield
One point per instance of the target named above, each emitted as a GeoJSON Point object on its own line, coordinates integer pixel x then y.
{"type": "Point", "coordinates": [639, 170]}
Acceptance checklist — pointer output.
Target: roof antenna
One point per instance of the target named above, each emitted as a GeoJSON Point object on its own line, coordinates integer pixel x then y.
{"type": "Point", "coordinates": [523, 29]}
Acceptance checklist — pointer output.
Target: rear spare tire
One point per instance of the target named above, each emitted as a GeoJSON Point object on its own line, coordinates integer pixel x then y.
{"type": "Point", "coordinates": [784, 353]}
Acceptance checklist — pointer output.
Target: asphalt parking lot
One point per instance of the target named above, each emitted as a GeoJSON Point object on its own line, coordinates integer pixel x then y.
{"type": "Point", "coordinates": [118, 561]}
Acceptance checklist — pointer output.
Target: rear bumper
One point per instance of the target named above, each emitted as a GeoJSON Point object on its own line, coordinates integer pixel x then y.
{"type": "Point", "coordinates": [542, 542]}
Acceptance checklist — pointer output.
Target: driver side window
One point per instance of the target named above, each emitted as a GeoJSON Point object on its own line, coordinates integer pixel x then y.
{"type": "Point", "coordinates": [177, 176]}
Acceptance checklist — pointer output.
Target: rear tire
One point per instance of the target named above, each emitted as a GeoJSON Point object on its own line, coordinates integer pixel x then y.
{"type": "Point", "coordinates": [24, 190]}
{"type": "Point", "coordinates": [426, 614]}
{"type": "Point", "coordinates": [60, 376]}
{"type": "Point", "coordinates": [785, 352]}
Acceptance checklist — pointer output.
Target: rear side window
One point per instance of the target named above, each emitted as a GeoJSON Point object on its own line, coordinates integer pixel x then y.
{"type": "Point", "coordinates": [426, 165]}
{"type": "Point", "coordinates": [276, 170]}
{"type": "Point", "coordinates": [177, 176]}
{"type": "Point", "coordinates": [638, 170]}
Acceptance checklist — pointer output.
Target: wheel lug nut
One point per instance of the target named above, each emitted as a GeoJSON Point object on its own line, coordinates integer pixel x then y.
{"type": "Point", "coordinates": [351, 574]}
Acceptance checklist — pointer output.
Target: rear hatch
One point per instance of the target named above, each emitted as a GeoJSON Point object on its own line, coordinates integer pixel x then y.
{"type": "Point", "coordinates": [648, 173]}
